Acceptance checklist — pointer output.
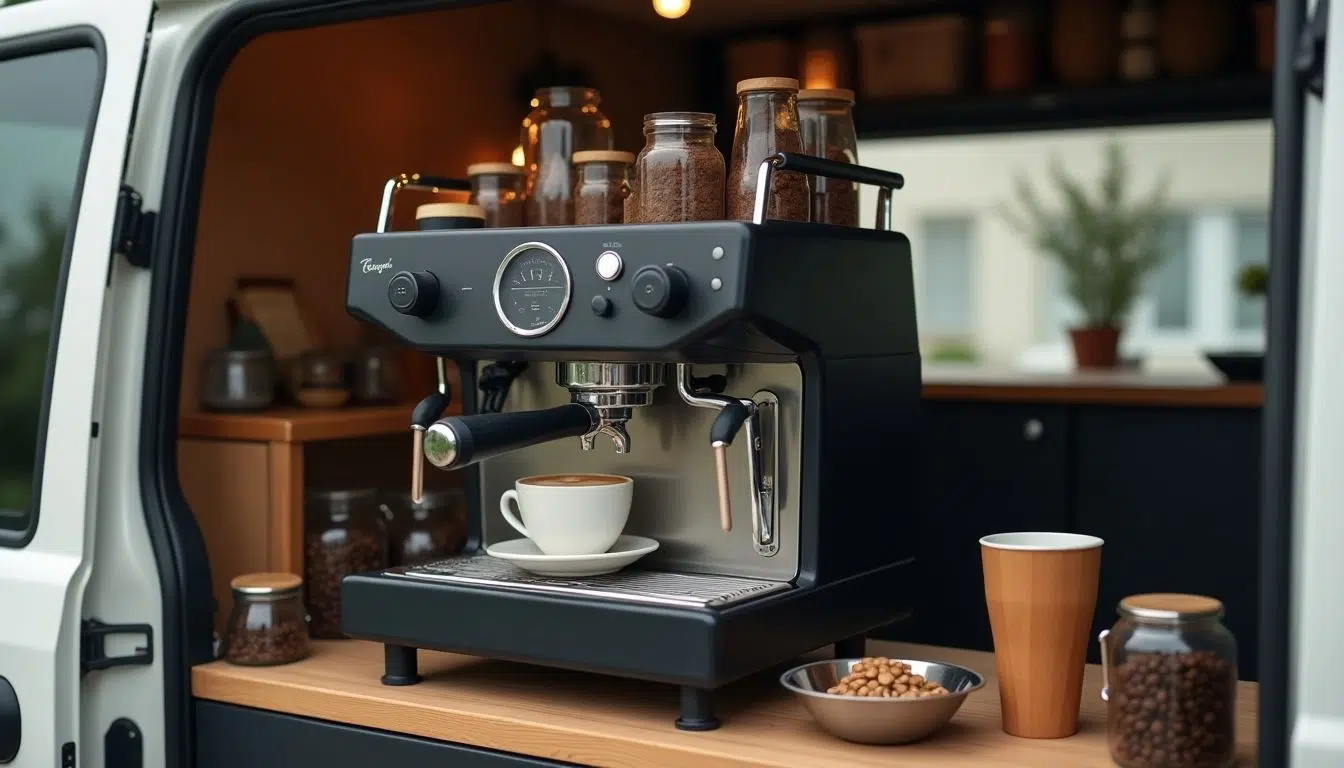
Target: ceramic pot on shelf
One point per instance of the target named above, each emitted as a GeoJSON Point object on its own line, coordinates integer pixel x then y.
{"type": "Point", "coordinates": [1194, 36]}
{"type": "Point", "coordinates": [1095, 348]}
{"type": "Point", "coordinates": [1085, 41]}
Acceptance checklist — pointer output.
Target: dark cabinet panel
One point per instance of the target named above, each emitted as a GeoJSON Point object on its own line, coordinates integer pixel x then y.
{"type": "Point", "coordinates": [1175, 493]}
{"type": "Point", "coordinates": [986, 468]}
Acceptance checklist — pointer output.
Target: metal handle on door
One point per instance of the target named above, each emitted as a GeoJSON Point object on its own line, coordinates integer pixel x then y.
{"type": "Point", "coordinates": [1033, 429]}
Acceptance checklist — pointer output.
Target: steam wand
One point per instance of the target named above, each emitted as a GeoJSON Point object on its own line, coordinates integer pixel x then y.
{"type": "Point", "coordinates": [721, 434]}
{"type": "Point", "coordinates": [426, 412]}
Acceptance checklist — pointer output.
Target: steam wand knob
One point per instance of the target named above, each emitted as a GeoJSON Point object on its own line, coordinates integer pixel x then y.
{"type": "Point", "coordinates": [721, 433]}
{"type": "Point", "coordinates": [426, 412]}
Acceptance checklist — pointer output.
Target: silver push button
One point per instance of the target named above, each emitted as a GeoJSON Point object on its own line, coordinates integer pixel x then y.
{"type": "Point", "coordinates": [609, 265]}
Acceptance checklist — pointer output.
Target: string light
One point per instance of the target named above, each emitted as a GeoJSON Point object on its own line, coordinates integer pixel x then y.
{"type": "Point", "coordinates": [671, 9]}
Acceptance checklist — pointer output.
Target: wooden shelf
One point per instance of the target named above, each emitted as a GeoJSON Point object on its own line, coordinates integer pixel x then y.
{"type": "Point", "coordinates": [1228, 97]}
{"type": "Point", "coordinates": [1224, 396]}
{"type": "Point", "coordinates": [607, 721]}
{"type": "Point", "coordinates": [299, 425]}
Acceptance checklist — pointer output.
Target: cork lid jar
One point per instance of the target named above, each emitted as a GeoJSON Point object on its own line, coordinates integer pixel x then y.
{"type": "Point", "coordinates": [267, 625]}
{"type": "Point", "coordinates": [767, 123]}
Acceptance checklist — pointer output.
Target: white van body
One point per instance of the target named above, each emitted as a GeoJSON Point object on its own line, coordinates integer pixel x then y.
{"type": "Point", "coordinates": [89, 555]}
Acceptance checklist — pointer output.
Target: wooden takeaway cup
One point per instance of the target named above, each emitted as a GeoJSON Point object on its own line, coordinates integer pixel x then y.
{"type": "Point", "coordinates": [1041, 589]}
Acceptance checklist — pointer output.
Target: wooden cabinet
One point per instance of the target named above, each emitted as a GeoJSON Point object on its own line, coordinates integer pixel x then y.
{"type": "Point", "coordinates": [986, 468]}
{"type": "Point", "coordinates": [1175, 492]}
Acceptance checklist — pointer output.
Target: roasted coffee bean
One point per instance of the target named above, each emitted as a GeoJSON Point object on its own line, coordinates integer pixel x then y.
{"type": "Point", "coordinates": [1173, 709]}
{"type": "Point", "coordinates": [281, 643]}
{"type": "Point", "coordinates": [677, 183]}
{"type": "Point", "coordinates": [331, 556]}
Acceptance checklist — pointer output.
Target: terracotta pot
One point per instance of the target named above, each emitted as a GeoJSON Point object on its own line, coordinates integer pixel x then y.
{"type": "Point", "coordinates": [1085, 40]}
{"type": "Point", "coordinates": [1195, 36]}
{"type": "Point", "coordinates": [1095, 347]}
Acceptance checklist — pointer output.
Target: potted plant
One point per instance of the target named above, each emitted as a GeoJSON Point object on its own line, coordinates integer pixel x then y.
{"type": "Point", "coordinates": [1106, 246]}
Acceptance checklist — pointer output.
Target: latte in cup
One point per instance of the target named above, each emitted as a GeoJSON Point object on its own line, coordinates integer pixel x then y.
{"type": "Point", "coordinates": [569, 514]}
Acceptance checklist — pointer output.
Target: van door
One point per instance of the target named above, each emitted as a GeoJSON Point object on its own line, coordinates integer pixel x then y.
{"type": "Point", "coordinates": [69, 75]}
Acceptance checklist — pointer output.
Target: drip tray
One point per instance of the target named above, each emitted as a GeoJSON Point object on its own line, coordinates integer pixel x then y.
{"type": "Point", "coordinates": [691, 590]}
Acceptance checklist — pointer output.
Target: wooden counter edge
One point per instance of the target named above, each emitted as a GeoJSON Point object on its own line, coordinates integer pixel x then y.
{"type": "Point", "coordinates": [514, 708]}
{"type": "Point", "coordinates": [1224, 396]}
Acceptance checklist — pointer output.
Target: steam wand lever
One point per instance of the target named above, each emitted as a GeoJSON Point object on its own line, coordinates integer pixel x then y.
{"type": "Point", "coordinates": [426, 412]}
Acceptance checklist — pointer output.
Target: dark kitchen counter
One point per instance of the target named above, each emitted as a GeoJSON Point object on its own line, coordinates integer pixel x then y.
{"type": "Point", "coordinates": [1194, 390]}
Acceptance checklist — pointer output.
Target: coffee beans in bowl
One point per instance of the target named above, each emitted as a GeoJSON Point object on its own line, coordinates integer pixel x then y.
{"type": "Point", "coordinates": [848, 704]}
{"type": "Point", "coordinates": [1171, 683]}
{"type": "Point", "coordinates": [268, 625]}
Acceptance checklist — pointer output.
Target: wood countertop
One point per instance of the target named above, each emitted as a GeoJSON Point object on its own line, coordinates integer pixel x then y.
{"type": "Point", "coordinates": [607, 722]}
{"type": "Point", "coordinates": [1127, 388]}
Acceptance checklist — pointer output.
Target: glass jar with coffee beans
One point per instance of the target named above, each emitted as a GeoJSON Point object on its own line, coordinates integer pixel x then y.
{"type": "Point", "coordinates": [767, 123]}
{"type": "Point", "coordinates": [679, 174]}
{"type": "Point", "coordinates": [344, 533]}
{"type": "Point", "coordinates": [1170, 683]}
{"type": "Point", "coordinates": [603, 186]}
{"type": "Point", "coordinates": [268, 625]}
{"type": "Point", "coordinates": [498, 189]}
{"type": "Point", "coordinates": [431, 529]}
{"type": "Point", "coordinates": [827, 122]}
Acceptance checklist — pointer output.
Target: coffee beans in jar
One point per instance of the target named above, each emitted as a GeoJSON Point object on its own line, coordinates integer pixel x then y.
{"type": "Point", "coordinates": [431, 529]}
{"type": "Point", "coordinates": [679, 174]}
{"type": "Point", "coordinates": [603, 186]}
{"type": "Point", "coordinates": [268, 624]}
{"type": "Point", "coordinates": [344, 533]}
{"type": "Point", "coordinates": [880, 677]}
{"type": "Point", "coordinates": [1170, 683]}
{"type": "Point", "coordinates": [767, 123]}
{"type": "Point", "coordinates": [827, 123]}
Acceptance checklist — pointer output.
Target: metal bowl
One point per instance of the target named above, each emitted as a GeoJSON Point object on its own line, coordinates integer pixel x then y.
{"type": "Point", "coordinates": [867, 720]}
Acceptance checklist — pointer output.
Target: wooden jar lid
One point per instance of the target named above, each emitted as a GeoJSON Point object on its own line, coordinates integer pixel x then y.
{"type": "Point", "coordinates": [266, 583]}
{"type": "Point", "coordinates": [450, 211]}
{"type": "Point", "coordinates": [478, 169]}
{"type": "Point", "coordinates": [603, 156]}
{"type": "Point", "coordinates": [1170, 606]}
{"type": "Point", "coordinates": [826, 94]}
{"type": "Point", "coordinates": [767, 84]}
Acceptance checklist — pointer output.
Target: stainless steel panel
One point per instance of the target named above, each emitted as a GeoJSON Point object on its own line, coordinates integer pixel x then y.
{"type": "Point", "coordinates": [635, 585]}
{"type": "Point", "coordinates": [676, 500]}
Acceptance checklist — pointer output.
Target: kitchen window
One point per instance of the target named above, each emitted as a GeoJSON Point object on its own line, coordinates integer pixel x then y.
{"type": "Point", "coordinates": [945, 297]}
{"type": "Point", "coordinates": [46, 105]}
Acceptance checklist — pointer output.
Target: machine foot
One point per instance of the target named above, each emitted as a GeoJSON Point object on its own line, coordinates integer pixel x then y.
{"type": "Point", "coordinates": [697, 713]}
{"type": "Point", "coordinates": [399, 665]}
{"type": "Point", "coordinates": [851, 648]}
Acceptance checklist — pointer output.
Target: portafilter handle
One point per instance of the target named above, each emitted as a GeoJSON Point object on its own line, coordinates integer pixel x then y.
{"type": "Point", "coordinates": [414, 181]}
{"type": "Point", "coordinates": [460, 441]}
{"type": "Point", "coordinates": [885, 181]}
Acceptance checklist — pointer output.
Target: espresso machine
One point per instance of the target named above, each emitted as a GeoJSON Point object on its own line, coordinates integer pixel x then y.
{"type": "Point", "coordinates": [759, 381]}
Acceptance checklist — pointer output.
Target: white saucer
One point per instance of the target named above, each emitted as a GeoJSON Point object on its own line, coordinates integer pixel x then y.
{"type": "Point", "coordinates": [524, 554]}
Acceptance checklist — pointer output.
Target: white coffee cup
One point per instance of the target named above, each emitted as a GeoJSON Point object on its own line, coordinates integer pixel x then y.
{"type": "Point", "coordinates": [582, 513]}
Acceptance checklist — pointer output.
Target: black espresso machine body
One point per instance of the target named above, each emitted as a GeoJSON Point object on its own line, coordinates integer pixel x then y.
{"type": "Point", "coordinates": [836, 302]}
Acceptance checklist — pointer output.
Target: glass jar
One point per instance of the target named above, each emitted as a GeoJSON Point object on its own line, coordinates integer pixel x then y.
{"type": "Point", "coordinates": [767, 123]}
{"type": "Point", "coordinates": [344, 533]}
{"type": "Point", "coordinates": [268, 625]}
{"type": "Point", "coordinates": [319, 380]}
{"type": "Point", "coordinates": [826, 119]}
{"type": "Point", "coordinates": [238, 380]}
{"type": "Point", "coordinates": [564, 120]}
{"type": "Point", "coordinates": [679, 175]}
{"type": "Point", "coordinates": [1170, 683]}
{"type": "Point", "coordinates": [498, 189]}
{"type": "Point", "coordinates": [432, 529]}
{"type": "Point", "coordinates": [603, 186]}
{"type": "Point", "coordinates": [377, 375]}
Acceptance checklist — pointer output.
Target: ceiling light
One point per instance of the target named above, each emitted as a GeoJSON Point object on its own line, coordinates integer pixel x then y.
{"type": "Point", "coordinates": [671, 9]}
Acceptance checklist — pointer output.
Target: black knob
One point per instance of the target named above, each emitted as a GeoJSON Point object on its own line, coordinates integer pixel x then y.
{"type": "Point", "coordinates": [413, 293]}
{"type": "Point", "coordinates": [660, 291]}
{"type": "Point", "coordinates": [601, 306]}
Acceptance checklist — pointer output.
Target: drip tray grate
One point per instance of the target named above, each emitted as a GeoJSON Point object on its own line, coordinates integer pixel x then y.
{"type": "Point", "coordinates": [691, 590]}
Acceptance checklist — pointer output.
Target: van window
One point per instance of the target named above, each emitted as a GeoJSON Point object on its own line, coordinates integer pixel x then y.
{"type": "Point", "coordinates": [47, 104]}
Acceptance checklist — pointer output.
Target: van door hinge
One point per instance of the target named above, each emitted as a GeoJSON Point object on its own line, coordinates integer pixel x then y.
{"type": "Point", "coordinates": [123, 745]}
{"type": "Point", "coordinates": [93, 646]}
{"type": "Point", "coordinates": [133, 231]}
{"type": "Point", "coordinates": [1310, 61]}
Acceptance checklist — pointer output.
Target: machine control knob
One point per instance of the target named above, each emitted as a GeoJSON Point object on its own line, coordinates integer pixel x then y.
{"type": "Point", "coordinates": [413, 293]}
{"type": "Point", "coordinates": [602, 306]}
{"type": "Point", "coordinates": [660, 291]}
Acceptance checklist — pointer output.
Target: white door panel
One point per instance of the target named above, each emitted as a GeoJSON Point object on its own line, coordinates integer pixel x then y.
{"type": "Point", "coordinates": [42, 579]}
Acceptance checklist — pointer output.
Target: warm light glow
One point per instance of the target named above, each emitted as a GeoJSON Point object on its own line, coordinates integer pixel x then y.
{"type": "Point", "coordinates": [671, 9]}
{"type": "Point", "coordinates": [518, 157]}
{"type": "Point", "coordinates": [820, 69]}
